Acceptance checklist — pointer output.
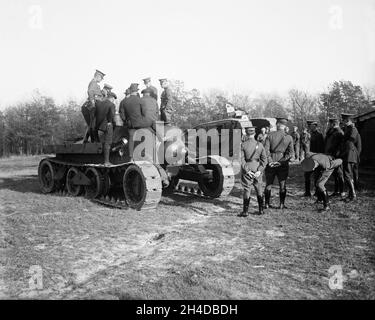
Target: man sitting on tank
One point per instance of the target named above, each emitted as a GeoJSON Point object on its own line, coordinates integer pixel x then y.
{"type": "Point", "coordinates": [104, 114]}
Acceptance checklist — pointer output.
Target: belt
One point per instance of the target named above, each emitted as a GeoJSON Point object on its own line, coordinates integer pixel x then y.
{"type": "Point", "coordinates": [252, 160]}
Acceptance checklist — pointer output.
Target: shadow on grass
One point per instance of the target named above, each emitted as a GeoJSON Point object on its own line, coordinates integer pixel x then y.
{"type": "Point", "coordinates": [24, 184]}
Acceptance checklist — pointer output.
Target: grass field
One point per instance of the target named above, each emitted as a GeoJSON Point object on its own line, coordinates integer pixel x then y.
{"type": "Point", "coordinates": [189, 248]}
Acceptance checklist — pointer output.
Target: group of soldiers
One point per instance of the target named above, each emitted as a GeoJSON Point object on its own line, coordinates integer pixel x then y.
{"type": "Point", "coordinates": [135, 111]}
{"type": "Point", "coordinates": [270, 154]}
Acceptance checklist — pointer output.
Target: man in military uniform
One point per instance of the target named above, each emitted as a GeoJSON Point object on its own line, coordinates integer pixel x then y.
{"type": "Point", "coordinates": [253, 162]}
{"type": "Point", "coordinates": [305, 142]}
{"type": "Point", "coordinates": [166, 108]}
{"type": "Point", "coordinates": [323, 165]}
{"type": "Point", "coordinates": [134, 110]}
{"type": "Point", "coordinates": [104, 117]}
{"type": "Point", "coordinates": [332, 145]}
{"type": "Point", "coordinates": [262, 136]}
{"type": "Point", "coordinates": [316, 146]}
{"type": "Point", "coordinates": [296, 142]}
{"type": "Point", "coordinates": [279, 150]}
{"type": "Point", "coordinates": [149, 107]}
{"type": "Point", "coordinates": [350, 153]}
{"type": "Point", "coordinates": [106, 89]}
{"type": "Point", "coordinates": [88, 109]}
{"type": "Point", "coordinates": [154, 91]}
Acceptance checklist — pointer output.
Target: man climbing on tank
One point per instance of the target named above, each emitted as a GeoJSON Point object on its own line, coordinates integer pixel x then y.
{"type": "Point", "coordinates": [88, 109]}
{"type": "Point", "coordinates": [104, 120]}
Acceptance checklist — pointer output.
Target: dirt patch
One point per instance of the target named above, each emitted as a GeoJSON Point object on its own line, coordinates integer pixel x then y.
{"type": "Point", "coordinates": [189, 248]}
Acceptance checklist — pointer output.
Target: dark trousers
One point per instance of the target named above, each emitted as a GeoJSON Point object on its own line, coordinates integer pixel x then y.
{"type": "Point", "coordinates": [88, 113]}
{"type": "Point", "coordinates": [307, 176]}
{"type": "Point", "coordinates": [349, 171]}
{"type": "Point", "coordinates": [296, 151]}
{"type": "Point", "coordinates": [280, 172]}
{"type": "Point", "coordinates": [338, 176]}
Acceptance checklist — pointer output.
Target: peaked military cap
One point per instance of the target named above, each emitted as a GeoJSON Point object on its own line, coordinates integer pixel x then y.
{"type": "Point", "coordinates": [133, 87]}
{"type": "Point", "coordinates": [162, 80]}
{"type": "Point", "coordinates": [146, 79]}
{"type": "Point", "coordinates": [347, 115]}
{"type": "Point", "coordinates": [107, 86]}
{"type": "Point", "coordinates": [99, 72]}
{"type": "Point", "coordinates": [250, 128]}
{"type": "Point", "coordinates": [332, 120]}
{"type": "Point", "coordinates": [282, 120]}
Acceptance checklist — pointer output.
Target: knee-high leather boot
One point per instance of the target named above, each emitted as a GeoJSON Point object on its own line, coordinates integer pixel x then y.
{"type": "Point", "coordinates": [245, 211]}
{"type": "Point", "coordinates": [267, 196]}
{"type": "Point", "coordinates": [260, 205]}
{"type": "Point", "coordinates": [282, 199]}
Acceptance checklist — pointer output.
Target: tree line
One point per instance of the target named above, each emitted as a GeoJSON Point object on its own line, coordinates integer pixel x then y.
{"type": "Point", "coordinates": [25, 128]}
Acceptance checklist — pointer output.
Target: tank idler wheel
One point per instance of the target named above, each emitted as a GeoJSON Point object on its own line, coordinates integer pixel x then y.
{"type": "Point", "coordinates": [73, 189]}
{"type": "Point", "coordinates": [134, 185]}
{"type": "Point", "coordinates": [46, 174]}
{"type": "Point", "coordinates": [95, 188]}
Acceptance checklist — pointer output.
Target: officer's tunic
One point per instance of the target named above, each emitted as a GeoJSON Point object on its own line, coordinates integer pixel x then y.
{"type": "Point", "coordinates": [254, 158]}
{"type": "Point", "coordinates": [154, 93]}
{"type": "Point", "coordinates": [333, 142]}
{"type": "Point", "coordinates": [279, 148]}
{"type": "Point", "coordinates": [150, 110]}
{"type": "Point", "coordinates": [316, 142]}
{"type": "Point", "coordinates": [349, 152]}
{"type": "Point", "coordinates": [166, 108]}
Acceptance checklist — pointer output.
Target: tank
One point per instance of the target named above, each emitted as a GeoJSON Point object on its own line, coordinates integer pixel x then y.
{"type": "Point", "coordinates": [78, 169]}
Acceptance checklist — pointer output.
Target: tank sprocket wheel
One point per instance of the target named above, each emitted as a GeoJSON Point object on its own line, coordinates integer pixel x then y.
{"type": "Point", "coordinates": [46, 174]}
{"type": "Point", "coordinates": [73, 189]}
{"type": "Point", "coordinates": [93, 190]}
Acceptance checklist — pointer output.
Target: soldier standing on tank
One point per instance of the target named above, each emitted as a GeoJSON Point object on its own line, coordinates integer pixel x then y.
{"type": "Point", "coordinates": [350, 153]}
{"type": "Point", "coordinates": [296, 142]}
{"type": "Point", "coordinates": [154, 91]}
{"type": "Point", "coordinates": [323, 165]}
{"type": "Point", "coordinates": [253, 162]}
{"type": "Point", "coordinates": [104, 117]}
{"type": "Point", "coordinates": [88, 109]}
{"type": "Point", "coordinates": [149, 107]}
{"type": "Point", "coordinates": [332, 145]}
{"type": "Point", "coordinates": [166, 108]}
{"type": "Point", "coordinates": [106, 89]}
{"type": "Point", "coordinates": [279, 150]}
{"type": "Point", "coordinates": [316, 146]}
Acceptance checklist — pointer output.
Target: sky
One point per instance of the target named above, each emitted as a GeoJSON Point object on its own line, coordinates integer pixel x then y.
{"type": "Point", "coordinates": [238, 46]}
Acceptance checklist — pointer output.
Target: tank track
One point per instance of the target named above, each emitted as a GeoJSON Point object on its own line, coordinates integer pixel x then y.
{"type": "Point", "coordinates": [192, 187]}
{"type": "Point", "coordinates": [117, 199]}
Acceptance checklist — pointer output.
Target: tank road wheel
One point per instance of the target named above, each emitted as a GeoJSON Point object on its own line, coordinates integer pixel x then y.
{"type": "Point", "coordinates": [212, 187]}
{"type": "Point", "coordinates": [134, 185]}
{"type": "Point", "coordinates": [96, 186]}
{"type": "Point", "coordinates": [106, 185]}
{"type": "Point", "coordinates": [222, 181]}
{"type": "Point", "coordinates": [46, 174]}
{"type": "Point", "coordinates": [73, 189]}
